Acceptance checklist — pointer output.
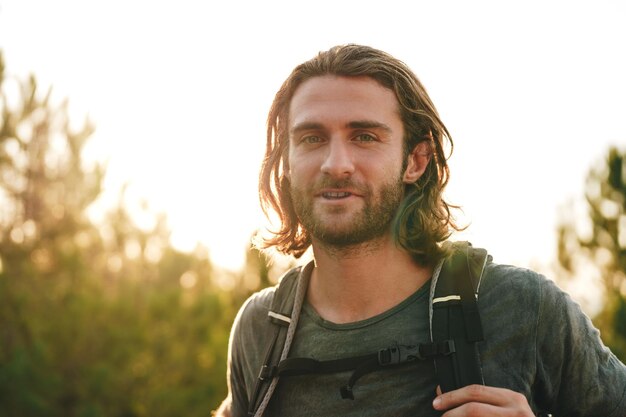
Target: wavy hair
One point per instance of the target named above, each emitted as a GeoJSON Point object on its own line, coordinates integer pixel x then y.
{"type": "Point", "coordinates": [423, 219]}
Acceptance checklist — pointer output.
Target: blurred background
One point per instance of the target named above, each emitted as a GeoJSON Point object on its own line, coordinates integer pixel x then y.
{"type": "Point", "coordinates": [131, 134]}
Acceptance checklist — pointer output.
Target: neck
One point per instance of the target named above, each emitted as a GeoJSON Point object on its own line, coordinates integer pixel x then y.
{"type": "Point", "coordinates": [359, 282]}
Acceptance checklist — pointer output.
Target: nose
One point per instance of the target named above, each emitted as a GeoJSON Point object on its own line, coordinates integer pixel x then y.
{"type": "Point", "coordinates": [338, 161]}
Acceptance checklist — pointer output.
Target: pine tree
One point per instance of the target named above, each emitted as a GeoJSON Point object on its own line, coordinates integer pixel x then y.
{"type": "Point", "coordinates": [95, 319]}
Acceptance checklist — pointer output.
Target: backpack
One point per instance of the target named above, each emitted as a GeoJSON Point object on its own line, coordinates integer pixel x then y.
{"type": "Point", "coordinates": [455, 329]}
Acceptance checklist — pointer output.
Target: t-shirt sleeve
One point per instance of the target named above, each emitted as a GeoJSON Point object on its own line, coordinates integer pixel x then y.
{"type": "Point", "coordinates": [576, 374]}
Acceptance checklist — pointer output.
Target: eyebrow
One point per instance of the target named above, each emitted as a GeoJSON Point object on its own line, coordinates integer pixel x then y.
{"type": "Point", "coordinates": [368, 124]}
{"type": "Point", "coordinates": [305, 126]}
{"type": "Point", "coordinates": [357, 124]}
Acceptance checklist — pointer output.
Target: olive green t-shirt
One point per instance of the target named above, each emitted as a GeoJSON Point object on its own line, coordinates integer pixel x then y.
{"type": "Point", "coordinates": [397, 391]}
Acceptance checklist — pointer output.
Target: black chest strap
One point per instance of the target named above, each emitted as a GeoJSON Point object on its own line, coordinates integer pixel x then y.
{"type": "Point", "coordinates": [360, 365]}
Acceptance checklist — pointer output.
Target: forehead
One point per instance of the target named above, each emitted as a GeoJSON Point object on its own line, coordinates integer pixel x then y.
{"type": "Point", "coordinates": [332, 97]}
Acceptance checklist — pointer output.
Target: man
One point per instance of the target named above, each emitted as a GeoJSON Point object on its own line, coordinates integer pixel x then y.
{"type": "Point", "coordinates": [355, 167]}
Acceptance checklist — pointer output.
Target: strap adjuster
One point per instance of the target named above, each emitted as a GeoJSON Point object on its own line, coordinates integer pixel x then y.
{"type": "Point", "coordinates": [435, 349]}
{"type": "Point", "coordinates": [397, 354]}
{"type": "Point", "coordinates": [267, 372]}
{"type": "Point", "coordinates": [446, 347]}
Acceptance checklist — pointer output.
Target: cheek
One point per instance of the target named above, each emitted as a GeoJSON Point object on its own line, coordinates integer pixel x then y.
{"type": "Point", "coordinates": [392, 167]}
{"type": "Point", "coordinates": [302, 166]}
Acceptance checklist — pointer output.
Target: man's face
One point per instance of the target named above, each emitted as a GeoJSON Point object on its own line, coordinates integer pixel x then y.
{"type": "Point", "coordinates": [345, 158]}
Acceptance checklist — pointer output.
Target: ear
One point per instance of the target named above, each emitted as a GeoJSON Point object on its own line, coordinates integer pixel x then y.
{"type": "Point", "coordinates": [417, 162]}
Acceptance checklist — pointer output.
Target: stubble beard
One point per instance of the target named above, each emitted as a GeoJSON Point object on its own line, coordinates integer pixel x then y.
{"type": "Point", "coordinates": [364, 227]}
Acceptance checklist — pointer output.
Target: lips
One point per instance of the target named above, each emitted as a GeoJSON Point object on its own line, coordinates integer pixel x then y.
{"type": "Point", "coordinates": [338, 190]}
{"type": "Point", "coordinates": [335, 195]}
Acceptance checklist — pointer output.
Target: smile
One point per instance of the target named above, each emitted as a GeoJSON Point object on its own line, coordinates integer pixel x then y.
{"type": "Point", "coordinates": [334, 195]}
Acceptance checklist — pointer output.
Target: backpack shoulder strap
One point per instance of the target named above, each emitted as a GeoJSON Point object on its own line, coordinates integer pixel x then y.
{"type": "Point", "coordinates": [454, 316]}
{"type": "Point", "coordinates": [283, 313]}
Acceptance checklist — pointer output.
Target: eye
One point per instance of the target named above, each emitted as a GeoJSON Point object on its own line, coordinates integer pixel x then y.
{"type": "Point", "coordinates": [365, 137]}
{"type": "Point", "coordinates": [312, 139]}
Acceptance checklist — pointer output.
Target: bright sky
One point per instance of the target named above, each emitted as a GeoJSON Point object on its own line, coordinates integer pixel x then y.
{"type": "Point", "coordinates": [533, 93]}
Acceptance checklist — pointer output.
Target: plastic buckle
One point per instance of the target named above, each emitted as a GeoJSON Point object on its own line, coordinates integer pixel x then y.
{"type": "Point", "coordinates": [397, 354]}
{"type": "Point", "coordinates": [266, 372]}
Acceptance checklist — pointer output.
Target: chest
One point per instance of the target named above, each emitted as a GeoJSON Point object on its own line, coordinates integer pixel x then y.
{"type": "Point", "coordinates": [406, 389]}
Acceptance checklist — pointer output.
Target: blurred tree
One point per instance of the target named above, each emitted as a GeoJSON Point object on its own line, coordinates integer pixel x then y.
{"type": "Point", "coordinates": [597, 245]}
{"type": "Point", "coordinates": [95, 320]}
{"type": "Point", "coordinates": [44, 192]}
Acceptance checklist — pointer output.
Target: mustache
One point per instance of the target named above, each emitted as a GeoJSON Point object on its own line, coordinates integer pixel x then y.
{"type": "Point", "coordinates": [326, 182]}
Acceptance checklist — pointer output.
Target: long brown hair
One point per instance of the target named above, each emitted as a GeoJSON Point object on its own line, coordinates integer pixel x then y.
{"type": "Point", "coordinates": [423, 219]}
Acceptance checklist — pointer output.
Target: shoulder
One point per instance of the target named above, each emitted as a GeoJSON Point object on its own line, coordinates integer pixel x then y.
{"type": "Point", "coordinates": [251, 335]}
{"type": "Point", "coordinates": [248, 336]}
{"type": "Point", "coordinates": [258, 303]}
{"type": "Point", "coordinates": [513, 304]}
{"type": "Point", "coordinates": [498, 277]}
{"type": "Point", "coordinates": [253, 312]}
{"type": "Point", "coordinates": [252, 317]}
{"type": "Point", "coordinates": [510, 294]}
{"type": "Point", "coordinates": [513, 286]}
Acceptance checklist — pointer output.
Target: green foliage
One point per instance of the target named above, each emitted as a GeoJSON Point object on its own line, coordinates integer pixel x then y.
{"type": "Point", "coordinates": [603, 245]}
{"type": "Point", "coordinates": [95, 320]}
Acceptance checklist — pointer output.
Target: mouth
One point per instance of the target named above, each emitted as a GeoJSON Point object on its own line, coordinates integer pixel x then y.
{"type": "Point", "coordinates": [335, 195]}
